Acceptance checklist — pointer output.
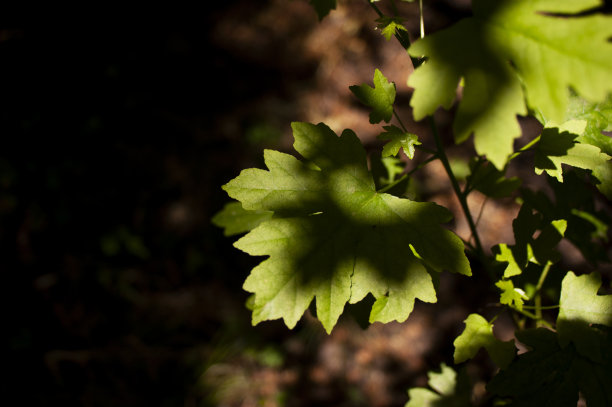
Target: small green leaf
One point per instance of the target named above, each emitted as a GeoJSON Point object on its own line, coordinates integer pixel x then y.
{"type": "Point", "coordinates": [580, 306]}
{"type": "Point", "coordinates": [380, 98]}
{"type": "Point", "coordinates": [323, 7]}
{"type": "Point", "coordinates": [398, 139]}
{"type": "Point", "coordinates": [478, 334]}
{"type": "Point", "coordinates": [390, 25]}
{"type": "Point", "coordinates": [451, 389]}
{"type": "Point", "coordinates": [511, 295]}
{"type": "Point", "coordinates": [505, 255]}
{"type": "Point", "coordinates": [234, 219]}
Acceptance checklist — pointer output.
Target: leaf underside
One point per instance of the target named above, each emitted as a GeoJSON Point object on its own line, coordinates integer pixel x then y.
{"type": "Point", "coordinates": [334, 238]}
{"type": "Point", "coordinates": [511, 52]}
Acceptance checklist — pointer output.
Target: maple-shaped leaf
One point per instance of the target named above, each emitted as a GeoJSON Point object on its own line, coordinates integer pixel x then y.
{"type": "Point", "coordinates": [234, 219]}
{"type": "Point", "coordinates": [388, 26]}
{"type": "Point", "coordinates": [551, 376]}
{"type": "Point", "coordinates": [323, 7]}
{"type": "Point", "coordinates": [398, 139]}
{"type": "Point", "coordinates": [573, 201]}
{"type": "Point", "coordinates": [450, 389]}
{"type": "Point", "coordinates": [527, 248]}
{"type": "Point", "coordinates": [505, 47]}
{"type": "Point", "coordinates": [380, 97]}
{"type": "Point", "coordinates": [335, 238]}
{"type": "Point", "coordinates": [484, 177]}
{"type": "Point", "coordinates": [564, 146]}
{"type": "Point", "coordinates": [511, 295]}
{"type": "Point", "coordinates": [478, 333]}
{"type": "Point", "coordinates": [579, 308]}
{"type": "Point", "coordinates": [598, 118]}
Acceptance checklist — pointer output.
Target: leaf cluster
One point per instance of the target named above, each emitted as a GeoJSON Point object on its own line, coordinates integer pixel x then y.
{"type": "Point", "coordinates": [336, 226]}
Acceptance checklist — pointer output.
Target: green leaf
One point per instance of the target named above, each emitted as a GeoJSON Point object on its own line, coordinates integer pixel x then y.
{"type": "Point", "coordinates": [527, 248]}
{"type": "Point", "coordinates": [451, 389]}
{"type": "Point", "coordinates": [492, 182]}
{"type": "Point", "coordinates": [234, 219]}
{"type": "Point", "coordinates": [564, 146]}
{"type": "Point", "coordinates": [478, 334]}
{"type": "Point", "coordinates": [398, 139]}
{"type": "Point", "coordinates": [505, 255]}
{"type": "Point", "coordinates": [580, 306]}
{"type": "Point", "coordinates": [551, 376]}
{"type": "Point", "coordinates": [511, 295]}
{"type": "Point", "coordinates": [380, 97]}
{"type": "Point", "coordinates": [573, 201]}
{"type": "Point", "coordinates": [388, 26]}
{"type": "Point", "coordinates": [323, 7]}
{"type": "Point", "coordinates": [508, 46]}
{"type": "Point", "coordinates": [335, 238]}
{"type": "Point", "coordinates": [598, 117]}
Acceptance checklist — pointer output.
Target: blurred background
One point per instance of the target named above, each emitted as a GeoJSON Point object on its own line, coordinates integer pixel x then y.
{"type": "Point", "coordinates": [116, 139]}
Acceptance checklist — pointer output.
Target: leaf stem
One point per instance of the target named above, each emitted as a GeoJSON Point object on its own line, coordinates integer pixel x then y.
{"type": "Point", "coordinates": [376, 9]}
{"type": "Point", "coordinates": [538, 294]}
{"type": "Point", "coordinates": [421, 20]}
{"type": "Point", "coordinates": [408, 174]}
{"type": "Point", "coordinates": [528, 314]}
{"type": "Point", "coordinates": [456, 187]}
{"type": "Point", "coordinates": [400, 121]}
{"type": "Point", "coordinates": [525, 148]}
{"type": "Point", "coordinates": [543, 307]}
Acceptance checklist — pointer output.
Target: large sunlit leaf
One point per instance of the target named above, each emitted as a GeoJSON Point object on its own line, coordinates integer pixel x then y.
{"type": "Point", "coordinates": [580, 306]}
{"type": "Point", "coordinates": [509, 52]}
{"type": "Point", "coordinates": [234, 219]}
{"type": "Point", "coordinates": [335, 238]}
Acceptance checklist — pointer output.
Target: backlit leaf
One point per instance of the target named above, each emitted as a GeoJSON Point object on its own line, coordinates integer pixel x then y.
{"type": "Point", "coordinates": [478, 333]}
{"type": "Point", "coordinates": [511, 295]}
{"type": "Point", "coordinates": [398, 139]}
{"type": "Point", "coordinates": [505, 47]}
{"type": "Point", "coordinates": [380, 97]}
{"type": "Point", "coordinates": [334, 238]}
{"type": "Point", "coordinates": [580, 306]}
{"type": "Point", "coordinates": [234, 219]}
{"type": "Point", "coordinates": [451, 389]}
{"type": "Point", "coordinates": [388, 26]}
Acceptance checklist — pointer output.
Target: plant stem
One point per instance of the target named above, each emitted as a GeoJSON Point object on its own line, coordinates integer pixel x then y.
{"type": "Point", "coordinates": [409, 173]}
{"type": "Point", "coordinates": [376, 9]}
{"type": "Point", "coordinates": [421, 20]}
{"type": "Point", "coordinates": [400, 121]}
{"type": "Point", "coordinates": [462, 198]}
{"type": "Point", "coordinates": [538, 295]}
{"type": "Point", "coordinates": [528, 314]}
